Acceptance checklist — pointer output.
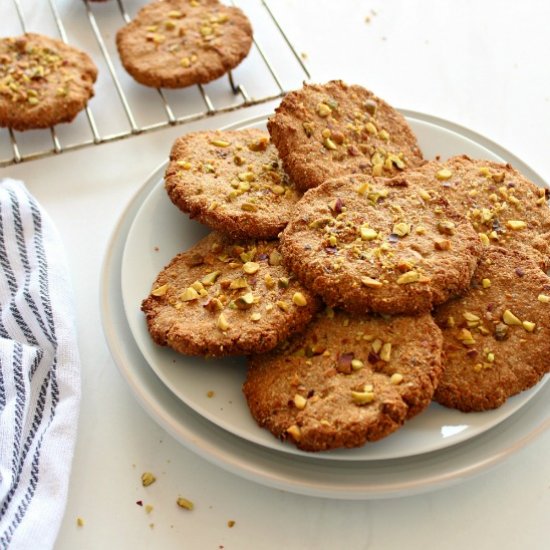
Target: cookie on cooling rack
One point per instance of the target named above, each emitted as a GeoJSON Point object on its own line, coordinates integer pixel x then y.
{"type": "Point", "coordinates": [505, 208]}
{"type": "Point", "coordinates": [43, 81]}
{"type": "Point", "coordinates": [178, 43]}
{"type": "Point", "coordinates": [345, 380]}
{"type": "Point", "coordinates": [226, 298]}
{"type": "Point", "coordinates": [231, 181]}
{"type": "Point", "coordinates": [325, 131]}
{"type": "Point", "coordinates": [496, 338]}
{"type": "Point", "coordinates": [368, 244]}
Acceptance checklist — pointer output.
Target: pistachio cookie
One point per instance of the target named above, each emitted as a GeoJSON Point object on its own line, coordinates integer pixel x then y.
{"type": "Point", "coordinates": [505, 208]}
{"type": "Point", "coordinates": [178, 43]}
{"type": "Point", "coordinates": [325, 131]}
{"type": "Point", "coordinates": [43, 81]}
{"type": "Point", "coordinates": [345, 381]}
{"type": "Point", "coordinates": [226, 298]}
{"type": "Point", "coordinates": [231, 181]}
{"type": "Point", "coordinates": [367, 244]}
{"type": "Point", "coordinates": [496, 338]}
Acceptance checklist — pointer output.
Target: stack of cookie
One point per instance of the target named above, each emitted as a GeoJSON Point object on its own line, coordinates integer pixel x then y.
{"type": "Point", "coordinates": [361, 281]}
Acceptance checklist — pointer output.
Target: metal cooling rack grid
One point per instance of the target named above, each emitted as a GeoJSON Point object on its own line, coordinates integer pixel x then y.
{"type": "Point", "coordinates": [172, 107]}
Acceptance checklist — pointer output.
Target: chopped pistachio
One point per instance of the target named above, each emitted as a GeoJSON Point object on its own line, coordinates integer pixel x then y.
{"type": "Point", "coordinates": [323, 110]}
{"type": "Point", "coordinates": [466, 337]}
{"type": "Point", "coordinates": [444, 174]}
{"type": "Point", "coordinates": [160, 291]}
{"type": "Point", "coordinates": [484, 239]}
{"type": "Point", "coordinates": [147, 478]}
{"type": "Point", "coordinates": [376, 345]}
{"type": "Point", "coordinates": [357, 364]}
{"type": "Point", "coordinates": [516, 224]}
{"type": "Point", "coordinates": [238, 283]}
{"type": "Point", "coordinates": [396, 378]}
{"type": "Point", "coordinates": [295, 432]}
{"type": "Point", "coordinates": [408, 277]}
{"type": "Point", "coordinates": [486, 283]}
{"type": "Point", "coordinates": [255, 316]}
{"type": "Point", "coordinates": [401, 229]}
{"type": "Point", "coordinates": [371, 283]}
{"type": "Point", "coordinates": [543, 298]}
{"type": "Point", "coordinates": [220, 143]}
{"type": "Point", "coordinates": [529, 326]}
{"type": "Point", "coordinates": [222, 323]}
{"type": "Point", "coordinates": [251, 267]}
{"type": "Point", "coordinates": [299, 299]}
{"type": "Point", "coordinates": [510, 319]}
{"type": "Point", "coordinates": [246, 301]}
{"type": "Point", "coordinates": [300, 401]}
{"type": "Point", "coordinates": [329, 144]}
{"type": "Point", "coordinates": [189, 295]}
{"type": "Point", "coordinates": [367, 233]}
{"type": "Point", "coordinates": [385, 352]}
{"type": "Point", "coordinates": [283, 306]}
{"type": "Point", "coordinates": [275, 258]}
{"type": "Point", "coordinates": [362, 397]}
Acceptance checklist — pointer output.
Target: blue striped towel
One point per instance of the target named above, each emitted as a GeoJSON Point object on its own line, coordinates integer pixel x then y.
{"type": "Point", "coordinates": [39, 373]}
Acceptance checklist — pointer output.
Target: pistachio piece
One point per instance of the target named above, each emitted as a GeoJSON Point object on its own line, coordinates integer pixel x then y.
{"type": "Point", "coordinates": [529, 326]}
{"type": "Point", "coordinates": [189, 294]}
{"type": "Point", "coordinates": [238, 283]}
{"type": "Point", "coordinates": [484, 239]}
{"type": "Point", "coordinates": [255, 317]}
{"type": "Point", "coordinates": [446, 227]}
{"type": "Point", "coordinates": [160, 291]}
{"type": "Point", "coordinates": [371, 283]}
{"type": "Point", "coordinates": [300, 401]}
{"type": "Point", "coordinates": [357, 364]}
{"type": "Point", "coordinates": [184, 503]}
{"type": "Point", "coordinates": [220, 143]}
{"type": "Point", "coordinates": [396, 378]}
{"type": "Point", "coordinates": [543, 298]}
{"type": "Point", "coordinates": [362, 397]}
{"type": "Point", "coordinates": [283, 306]}
{"type": "Point", "coordinates": [299, 299]}
{"type": "Point", "coordinates": [251, 267]}
{"type": "Point", "coordinates": [385, 352]}
{"type": "Point", "coordinates": [401, 229]}
{"type": "Point", "coordinates": [516, 224]}
{"type": "Point", "coordinates": [444, 174]}
{"type": "Point", "coordinates": [222, 323]}
{"type": "Point", "coordinates": [408, 277]}
{"type": "Point", "coordinates": [147, 478]}
{"type": "Point", "coordinates": [323, 110]}
{"type": "Point", "coordinates": [295, 432]}
{"type": "Point", "coordinates": [275, 258]}
{"type": "Point", "coordinates": [246, 301]}
{"type": "Point", "coordinates": [510, 319]}
{"type": "Point", "coordinates": [486, 283]}
{"type": "Point", "coordinates": [367, 233]}
{"type": "Point", "coordinates": [466, 337]}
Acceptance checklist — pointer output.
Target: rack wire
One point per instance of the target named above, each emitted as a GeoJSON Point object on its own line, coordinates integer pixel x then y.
{"type": "Point", "coordinates": [44, 143]}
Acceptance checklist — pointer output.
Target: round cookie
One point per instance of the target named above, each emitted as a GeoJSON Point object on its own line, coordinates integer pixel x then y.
{"type": "Point", "coordinates": [43, 81]}
{"type": "Point", "coordinates": [345, 381]}
{"type": "Point", "coordinates": [496, 338]}
{"type": "Point", "coordinates": [505, 208]}
{"type": "Point", "coordinates": [231, 181]}
{"type": "Point", "coordinates": [178, 43]}
{"type": "Point", "coordinates": [367, 244]}
{"type": "Point", "coordinates": [325, 131]}
{"type": "Point", "coordinates": [226, 298]}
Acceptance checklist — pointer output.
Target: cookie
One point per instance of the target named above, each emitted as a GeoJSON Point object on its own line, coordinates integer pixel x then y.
{"type": "Point", "coordinates": [231, 181]}
{"type": "Point", "coordinates": [345, 381]}
{"type": "Point", "coordinates": [226, 298]}
{"type": "Point", "coordinates": [43, 81]}
{"type": "Point", "coordinates": [505, 208]}
{"type": "Point", "coordinates": [178, 43]}
{"type": "Point", "coordinates": [496, 338]}
{"type": "Point", "coordinates": [326, 131]}
{"type": "Point", "coordinates": [369, 244]}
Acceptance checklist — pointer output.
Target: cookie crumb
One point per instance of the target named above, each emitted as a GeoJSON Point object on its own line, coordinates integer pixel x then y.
{"type": "Point", "coordinates": [148, 508]}
{"type": "Point", "coordinates": [210, 393]}
{"type": "Point", "coordinates": [231, 523]}
{"type": "Point", "coordinates": [79, 522]}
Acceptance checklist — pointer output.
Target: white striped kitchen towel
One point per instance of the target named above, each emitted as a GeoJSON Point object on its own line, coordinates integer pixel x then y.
{"type": "Point", "coordinates": [39, 373]}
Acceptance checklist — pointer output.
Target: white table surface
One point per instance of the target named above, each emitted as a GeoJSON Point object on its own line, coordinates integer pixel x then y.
{"type": "Point", "coordinates": [481, 64]}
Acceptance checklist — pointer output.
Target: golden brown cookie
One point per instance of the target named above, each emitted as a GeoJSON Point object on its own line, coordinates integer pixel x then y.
{"type": "Point", "coordinates": [226, 298]}
{"type": "Point", "coordinates": [496, 338]}
{"type": "Point", "coordinates": [43, 81]}
{"type": "Point", "coordinates": [177, 43]}
{"type": "Point", "coordinates": [505, 208]}
{"type": "Point", "coordinates": [325, 131]}
{"type": "Point", "coordinates": [345, 381]}
{"type": "Point", "coordinates": [231, 181]}
{"type": "Point", "coordinates": [367, 244]}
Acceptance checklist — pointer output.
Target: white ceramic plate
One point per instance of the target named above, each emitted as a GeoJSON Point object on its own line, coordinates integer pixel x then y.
{"type": "Point", "coordinates": [305, 474]}
{"type": "Point", "coordinates": [159, 231]}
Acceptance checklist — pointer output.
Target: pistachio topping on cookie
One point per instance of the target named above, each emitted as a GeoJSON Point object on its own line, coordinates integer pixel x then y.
{"type": "Point", "coordinates": [224, 297]}
{"type": "Point", "coordinates": [504, 207]}
{"type": "Point", "coordinates": [366, 244]}
{"type": "Point", "coordinates": [43, 81]}
{"type": "Point", "coordinates": [231, 181]}
{"type": "Point", "coordinates": [345, 380]}
{"type": "Point", "coordinates": [177, 43]}
{"type": "Point", "coordinates": [324, 131]}
{"type": "Point", "coordinates": [495, 337]}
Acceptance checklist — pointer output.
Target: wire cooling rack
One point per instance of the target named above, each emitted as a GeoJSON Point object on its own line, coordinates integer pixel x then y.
{"type": "Point", "coordinates": [123, 108]}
